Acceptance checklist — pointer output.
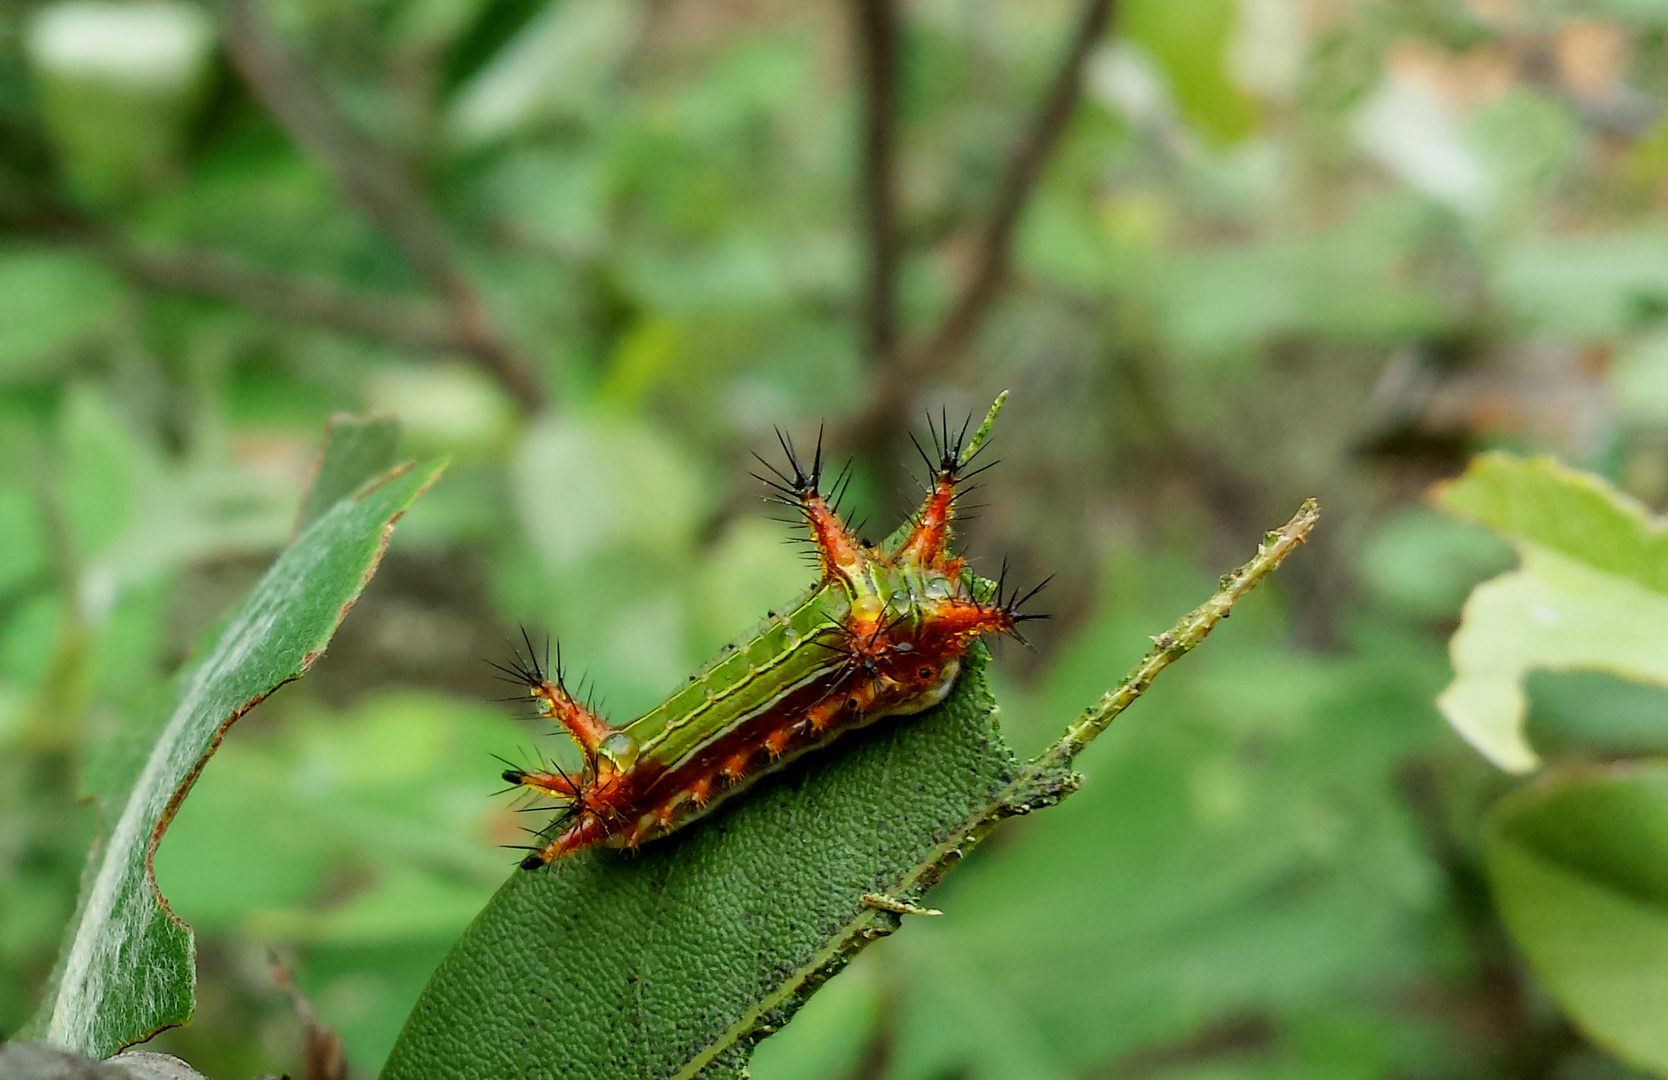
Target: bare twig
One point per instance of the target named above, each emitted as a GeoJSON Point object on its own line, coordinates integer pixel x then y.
{"type": "Point", "coordinates": [407, 322]}
{"type": "Point", "coordinates": [1181, 639]}
{"type": "Point", "coordinates": [375, 180]}
{"type": "Point", "coordinates": [877, 55]}
{"type": "Point", "coordinates": [897, 906]}
{"type": "Point", "coordinates": [322, 1056]}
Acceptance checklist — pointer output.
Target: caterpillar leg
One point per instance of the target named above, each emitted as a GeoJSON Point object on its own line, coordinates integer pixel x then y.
{"type": "Point", "coordinates": [838, 551]}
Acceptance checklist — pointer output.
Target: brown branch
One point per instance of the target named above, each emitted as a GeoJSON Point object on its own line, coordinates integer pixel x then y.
{"type": "Point", "coordinates": [994, 254]}
{"type": "Point", "coordinates": [374, 179]}
{"type": "Point", "coordinates": [401, 321]}
{"type": "Point", "coordinates": [883, 424]}
{"type": "Point", "coordinates": [877, 55]}
{"type": "Point", "coordinates": [406, 322]}
{"type": "Point", "coordinates": [322, 1055]}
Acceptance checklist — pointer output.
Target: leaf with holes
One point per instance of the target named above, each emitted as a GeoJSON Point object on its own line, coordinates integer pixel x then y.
{"type": "Point", "coordinates": [127, 965]}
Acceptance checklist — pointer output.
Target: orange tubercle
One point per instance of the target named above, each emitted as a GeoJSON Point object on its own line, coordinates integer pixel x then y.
{"type": "Point", "coordinates": [587, 728]}
{"type": "Point", "coordinates": [838, 550]}
{"type": "Point", "coordinates": [925, 545]}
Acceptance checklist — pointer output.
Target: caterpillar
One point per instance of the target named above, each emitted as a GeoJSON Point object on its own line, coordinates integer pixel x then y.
{"type": "Point", "coordinates": [881, 634]}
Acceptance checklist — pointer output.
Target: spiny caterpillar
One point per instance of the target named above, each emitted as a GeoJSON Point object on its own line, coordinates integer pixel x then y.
{"type": "Point", "coordinates": [881, 634]}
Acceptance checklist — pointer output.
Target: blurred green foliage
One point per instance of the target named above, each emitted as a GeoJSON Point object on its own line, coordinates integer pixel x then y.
{"type": "Point", "coordinates": [1283, 249]}
{"type": "Point", "coordinates": [1575, 860]}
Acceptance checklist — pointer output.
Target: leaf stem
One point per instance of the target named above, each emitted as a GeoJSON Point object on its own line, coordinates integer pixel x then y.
{"type": "Point", "coordinates": [1181, 639]}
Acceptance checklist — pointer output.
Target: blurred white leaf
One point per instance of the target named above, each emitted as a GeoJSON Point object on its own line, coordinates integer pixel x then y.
{"type": "Point", "coordinates": [1266, 53]}
{"type": "Point", "coordinates": [1127, 80]}
{"type": "Point", "coordinates": [554, 63]}
{"type": "Point", "coordinates": [1592, 594]}
{"type": "Point", "coordinates": [1557, 615]}
{"type": "Point", "coordinates": [444, 407]}
{"type": "Point", "coordinates": [117, 85]}
{"type": "Point", "coordinates": [154, 45]}
{"type": "Point", "coordinates": [1408, 129]}
{"type": "Point", "coordinates": [588, 485]}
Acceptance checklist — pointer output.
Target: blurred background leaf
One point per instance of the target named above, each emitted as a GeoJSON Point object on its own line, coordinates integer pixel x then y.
{"type": "Point", "coordinates": [1577, 863]}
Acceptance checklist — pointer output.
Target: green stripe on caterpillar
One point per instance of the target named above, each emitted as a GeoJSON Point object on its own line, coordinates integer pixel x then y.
{"type": "Point", "coordinates": [882, 634]}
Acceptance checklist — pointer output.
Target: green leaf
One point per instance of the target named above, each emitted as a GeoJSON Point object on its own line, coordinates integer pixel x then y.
{"type": "Point", "coordinates": [371, 873]}
{"type": "Point", "coordinates": [556, 64]}
{"type": "Point", "coordinates": [102, 468]}
{"type": "Point", "coordinates": [1597, 714]}
{"type": "Point", "coordinates": [1591, 593]}
{"type": "Point", "coordinates": [355, 448]}
{"type": "Point", "coordinates": [1336, 284]}
{"type": "Point", "coordinates": [1579, 866]}
{"type": "Point", "coordinates": [702, 943]}
{"type": "Point", "coordinates": [126, 969]}
{"type": "Point", "coordinates": [48, 301]}
{"type": "Point", "coordinates": [1537, 501]}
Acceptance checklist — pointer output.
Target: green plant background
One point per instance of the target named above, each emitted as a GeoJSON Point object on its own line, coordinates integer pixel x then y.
{"type": "Point", "coordinates": [1240, 282]}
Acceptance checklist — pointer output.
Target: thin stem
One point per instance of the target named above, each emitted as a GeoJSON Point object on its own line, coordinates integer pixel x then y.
{"type": "Point", "coordinates": [1041, 783]}
{"type": "Point", "coordinates": [995, 248]}
{"type": "Point", "coordinates": [407, 322]}
{"type": "Point", "coordinates": [1182, 638]}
